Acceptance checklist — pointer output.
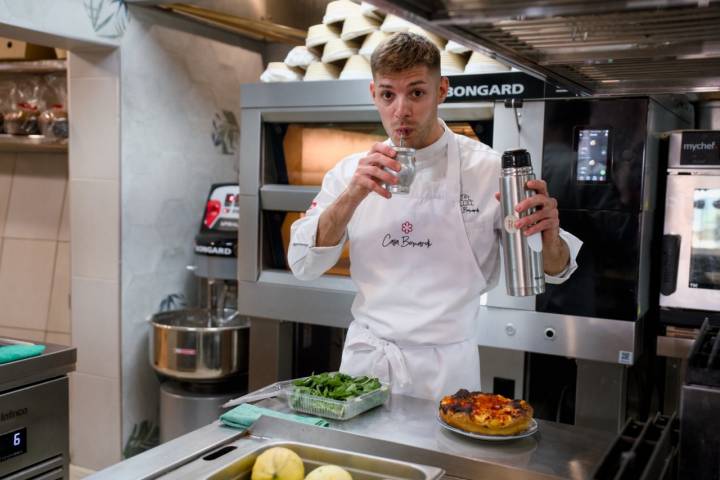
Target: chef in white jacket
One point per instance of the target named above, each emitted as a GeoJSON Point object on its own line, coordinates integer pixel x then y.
{"type": "Point", "coordinates": [420, 261]}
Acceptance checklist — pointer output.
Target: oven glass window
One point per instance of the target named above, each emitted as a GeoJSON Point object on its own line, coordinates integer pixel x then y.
{"type": "Point", "coordinates": [705, 248]}
{"type": "Point", "coordinates": [277, 240]}
{"type": "Point", "coordinates": [301, 153]}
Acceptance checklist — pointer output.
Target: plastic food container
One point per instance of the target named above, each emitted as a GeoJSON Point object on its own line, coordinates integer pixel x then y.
{"type": "Point", "coordinates": [336, 409]}
{"type": "Point", "coordinates": [318, 406]}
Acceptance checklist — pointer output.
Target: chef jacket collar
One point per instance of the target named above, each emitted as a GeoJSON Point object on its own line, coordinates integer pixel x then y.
{"type": "Point", "coordinates": [435, 150]}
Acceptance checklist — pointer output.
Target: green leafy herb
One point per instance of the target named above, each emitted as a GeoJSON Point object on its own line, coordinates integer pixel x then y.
{"type": "Point", "coordinates": [337, 386]}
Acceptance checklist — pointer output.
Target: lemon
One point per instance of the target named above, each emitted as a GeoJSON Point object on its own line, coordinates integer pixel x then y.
{"type": "Point", "coordinates": [278, 463]}
{"type": "Point", "coordinates": [328, 472]}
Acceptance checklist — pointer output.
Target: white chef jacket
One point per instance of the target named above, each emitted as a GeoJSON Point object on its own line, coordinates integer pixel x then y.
{"type": "Point", "coordinates": [480, 171]}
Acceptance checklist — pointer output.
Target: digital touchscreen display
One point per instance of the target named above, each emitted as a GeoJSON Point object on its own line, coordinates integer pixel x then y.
{"type": "Point", "coordinates": [13, 444]}
{"type": "Point", "coordinates": [592, 155]}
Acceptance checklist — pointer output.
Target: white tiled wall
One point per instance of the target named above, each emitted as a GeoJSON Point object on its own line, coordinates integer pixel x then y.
{"type": "Point", "coordinates": [94, 211]}
{"type": "Point", "coordinates": [34, 259]}
{"type": "Point", "coordinates": [95, 306]}
{"type": "Point", "coordinates": [59, 314]}
{"type": "Point", "coordinates": [94, 216]}
{"type": "Point", "coordinates": [36, 196]}
{"type": "Point", "coordinates": [95, 402]}
{"type": "Point", "coordinates": [26, 274]}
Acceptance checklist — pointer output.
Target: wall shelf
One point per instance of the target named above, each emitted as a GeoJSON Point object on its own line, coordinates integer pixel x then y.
{"type": "Point", "coordinates": [32, 144]}
{"type": "Point", "coordinates": [35, 66]}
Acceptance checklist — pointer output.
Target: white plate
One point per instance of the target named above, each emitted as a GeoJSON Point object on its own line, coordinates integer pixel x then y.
{"type": "Point", "coordinates": [532, 429]}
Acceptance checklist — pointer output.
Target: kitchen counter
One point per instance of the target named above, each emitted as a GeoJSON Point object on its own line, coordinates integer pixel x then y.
{"type": "Point", "coordinates": [405, 429]}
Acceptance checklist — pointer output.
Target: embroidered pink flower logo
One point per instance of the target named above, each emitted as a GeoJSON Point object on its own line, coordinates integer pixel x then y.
{"type": "Point", "coordinates": [407, 227]}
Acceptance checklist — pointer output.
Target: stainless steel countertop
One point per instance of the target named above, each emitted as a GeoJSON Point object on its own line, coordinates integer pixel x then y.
{"type": "Point", "coordinates": [404, 429]}
{"type": "Point", "coordinates": [558, 450]}
{"type": "Point", "coordinates": [55, 361]}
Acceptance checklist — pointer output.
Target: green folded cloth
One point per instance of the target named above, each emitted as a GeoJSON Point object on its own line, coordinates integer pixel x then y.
{"type": "Point", "coordinates": [10, 353]}
{"type": "Point", "coordinates": [244, 415]}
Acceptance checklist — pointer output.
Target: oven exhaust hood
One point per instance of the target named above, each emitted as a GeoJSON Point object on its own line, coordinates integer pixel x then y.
{"type": "Point", "coordinates": [260, 22]}
{"type": "Point", "coordinates": [592, 47]}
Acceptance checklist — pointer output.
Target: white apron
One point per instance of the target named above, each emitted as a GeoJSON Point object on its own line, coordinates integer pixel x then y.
{"type": "Point", "coordinates": [419, 290]}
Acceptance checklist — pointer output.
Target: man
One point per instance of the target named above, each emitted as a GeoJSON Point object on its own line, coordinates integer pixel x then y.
{"type": "Point", "coordinates": [420, 261]}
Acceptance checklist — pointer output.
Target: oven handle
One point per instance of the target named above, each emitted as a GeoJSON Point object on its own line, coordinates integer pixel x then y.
{"type": "Point", "coordinates": [670, 261]}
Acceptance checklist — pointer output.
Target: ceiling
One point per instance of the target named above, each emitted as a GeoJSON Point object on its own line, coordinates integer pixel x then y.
{"type": "Point", "coordinates": [597, 47]}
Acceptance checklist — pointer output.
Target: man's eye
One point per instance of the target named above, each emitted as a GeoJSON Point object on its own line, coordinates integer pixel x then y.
{"type": "Point", "coordinates": [418, 93]}
{"type": "Point", "coordinates": [386, 95]}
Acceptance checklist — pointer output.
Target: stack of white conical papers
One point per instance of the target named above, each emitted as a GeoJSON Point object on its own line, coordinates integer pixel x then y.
{"type": "Point", "coordinates": [339, 10]}
{"type": "Point", "coordinates": [358, 26]}
{"type": "Point", "coordinates": [436, 39]}
{"type": "Point", "coordinates": [338, 49]}
{"type": "Point", "coordinates": [279, 72]}
{"type": "Point", "coordinates": [371, 42]}
{"type": "Point", "coordinates": [356, 67]}
{"type": "Point", "coordinates": [480, 63]}
{"type": "Point", "coordinates": [451, 63]}
{"type": "Point", "coordinates": [300, 57]}
{"type": "Point", "coordinates": [394, 24]}
{"type": "Point", "coordinates": [319, 35]}
{"type": "Point", "coordinates": [454, 47]}
{"type": "Point", "coordinates": [321, 71]}
{"type": "Point", "coordinates": [370, 10]}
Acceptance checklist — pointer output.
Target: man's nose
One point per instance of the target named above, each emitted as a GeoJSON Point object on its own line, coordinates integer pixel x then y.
{"type": "Point", "coordinates": [403, 108]}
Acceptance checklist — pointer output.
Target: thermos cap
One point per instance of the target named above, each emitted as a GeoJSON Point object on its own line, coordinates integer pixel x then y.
{"type": "Point", "coordinates": [516, 158]}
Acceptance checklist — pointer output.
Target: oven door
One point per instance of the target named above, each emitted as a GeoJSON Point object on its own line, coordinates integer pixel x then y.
{"type": "Point", "coordinates": [691, 242]}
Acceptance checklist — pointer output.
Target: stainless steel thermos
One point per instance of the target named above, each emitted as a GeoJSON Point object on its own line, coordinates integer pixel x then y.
{"type": "Point", "coordinates": [524, 273]}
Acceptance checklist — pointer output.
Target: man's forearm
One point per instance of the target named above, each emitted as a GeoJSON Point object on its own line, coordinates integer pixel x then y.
{"type": "Point", "coordinates": [556, 256]}
{"type": "Point", "coordinates": [334, 220]}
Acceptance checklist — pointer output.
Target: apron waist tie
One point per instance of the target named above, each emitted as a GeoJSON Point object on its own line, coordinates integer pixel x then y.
{"type": "Point", "coordinates": [390, 361]}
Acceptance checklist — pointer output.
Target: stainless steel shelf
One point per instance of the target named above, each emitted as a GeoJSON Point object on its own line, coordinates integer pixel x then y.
{"type": "Point", "coordinates": [287, 198]}
{"type": "Point", "coordinates": [32, 144]}
{"type": "Point", "coordinates": [35, 66]}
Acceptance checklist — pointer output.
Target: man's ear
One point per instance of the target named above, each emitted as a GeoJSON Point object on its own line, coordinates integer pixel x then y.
{"type": "Point", "coordinates": [443, 89]}
{"type": "Point", "coordinates": [372, 89]}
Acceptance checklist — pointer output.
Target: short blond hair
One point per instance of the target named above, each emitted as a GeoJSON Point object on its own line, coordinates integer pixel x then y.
{"type": "Point", "coordinates": [403, 51]}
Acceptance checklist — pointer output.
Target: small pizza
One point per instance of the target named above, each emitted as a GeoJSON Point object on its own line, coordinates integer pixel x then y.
{"type": "Point", "coordinates": [486, 413]}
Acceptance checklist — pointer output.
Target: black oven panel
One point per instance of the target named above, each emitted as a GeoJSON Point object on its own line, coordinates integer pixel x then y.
{"type": "Point", "coordinates": [594, 153]}
{"type": "Point", "coordinates": [595, 165]}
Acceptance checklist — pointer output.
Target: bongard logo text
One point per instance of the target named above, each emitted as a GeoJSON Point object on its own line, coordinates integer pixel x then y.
{"type": "Point", "coordinates": [486, 90]}
{"type": "Point", "coordinates": [226, 251]}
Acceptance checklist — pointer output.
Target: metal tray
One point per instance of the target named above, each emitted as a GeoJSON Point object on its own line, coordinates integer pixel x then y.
{"type": "Point", "coordinates": [360, 466]}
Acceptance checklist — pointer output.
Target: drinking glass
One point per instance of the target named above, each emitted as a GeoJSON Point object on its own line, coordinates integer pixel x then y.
{"type": "Point", "coordinates": [406, 157]}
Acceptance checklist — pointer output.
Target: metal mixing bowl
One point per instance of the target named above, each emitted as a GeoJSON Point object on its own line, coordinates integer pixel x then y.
{"type": "Point", "coordinates": [198, 344]}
